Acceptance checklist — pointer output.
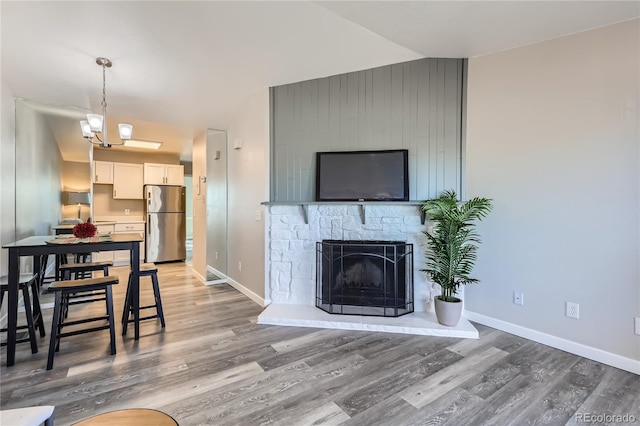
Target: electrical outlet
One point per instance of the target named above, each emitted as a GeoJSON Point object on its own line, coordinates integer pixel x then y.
{"type": "Point", "coordinates": [258, 215]}
{"type": "Point", "coordinates": [518, 298]}
{"type": "Point", "coordinates": [637, 331]}
{"type": "Point", "coordinates": [240, 266]}
{"type": "Point", "coordinates": [573, 310]}
{"type": "Point", "coordinates": [127, 211]}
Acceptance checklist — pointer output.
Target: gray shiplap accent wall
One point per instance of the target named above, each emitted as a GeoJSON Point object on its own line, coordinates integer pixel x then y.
{"type": "Point", "coordinates": [415, 105]}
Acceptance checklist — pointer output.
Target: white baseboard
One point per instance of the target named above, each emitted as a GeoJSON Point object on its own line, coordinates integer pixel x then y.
{"type": "Point", "coordinates": [579, 349]}
{"type": "Point", "coordinates": [214, 271]}
{"type": "Point", "coordinates": [225, 279]}
{"type": "Point", "coordinates": [250, 294]}
{"type": "Point", "coordinates": [199, 277]}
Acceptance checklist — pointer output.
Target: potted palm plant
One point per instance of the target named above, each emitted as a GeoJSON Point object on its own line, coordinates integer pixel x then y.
{"type": "Point", "coordinates": [452, 244]}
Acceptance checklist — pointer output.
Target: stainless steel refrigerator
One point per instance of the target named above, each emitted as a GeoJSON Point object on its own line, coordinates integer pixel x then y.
{"type": "Point", "coordinates": [166, 223]}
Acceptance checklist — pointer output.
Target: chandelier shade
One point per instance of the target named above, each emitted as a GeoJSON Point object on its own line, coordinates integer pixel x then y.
{"type": "Point", "coordinates": [125, 131]}
{"type": "Point", "coordinates": [86, 129]}
{"type": "Point", "coordinates": [95, 126]}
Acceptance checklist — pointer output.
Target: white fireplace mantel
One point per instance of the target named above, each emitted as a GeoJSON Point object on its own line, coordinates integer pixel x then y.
{"type": "Point", "coordinates": [304, 205]}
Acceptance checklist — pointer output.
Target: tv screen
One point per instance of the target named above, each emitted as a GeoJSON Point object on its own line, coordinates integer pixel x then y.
{"type": "Point", "coordinates": [362, 175]}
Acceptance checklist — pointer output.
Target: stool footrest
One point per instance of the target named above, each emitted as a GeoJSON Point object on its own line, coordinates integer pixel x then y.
{"type": "Point", "coordinates": [83, 331]}
{"type": "Point", "coordinates": [84, 321]}
{"type": "Point", "coordinates": [79, 302]}
{"type": "Point", "coordinates": [146, 318]}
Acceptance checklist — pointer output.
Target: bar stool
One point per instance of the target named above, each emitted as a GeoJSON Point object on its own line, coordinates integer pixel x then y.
{"type": "Point", "coordinates": [146, 270]}
{"type": "Point", "coordinates": [26, 283]}
{"type": "Point", "coordinates": [80, 271]}
{"type": "Point", "coordinates": [62, 290]}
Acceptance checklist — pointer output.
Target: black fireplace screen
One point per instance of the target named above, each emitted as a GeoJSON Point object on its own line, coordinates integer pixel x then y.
{"type": "Point", "coordinates": [364, 277]}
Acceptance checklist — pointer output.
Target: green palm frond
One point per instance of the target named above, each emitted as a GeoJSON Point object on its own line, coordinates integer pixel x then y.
{"type": "Point", "coordinates": [453, 244]}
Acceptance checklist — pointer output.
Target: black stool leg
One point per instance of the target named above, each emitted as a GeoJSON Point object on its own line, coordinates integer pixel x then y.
{"type": "Point", "coordinates": [112, 328]}
{"type": "Point", "coordinates": [156, 294]}
{"type": "Point", "coordinates": [37, 311]}
{"type": "Point", "coordinates": [127, 307]}
{"type": "Point", "coordinates": [54, 329]}
{"type": "Point", "coordinates": [29, 312]}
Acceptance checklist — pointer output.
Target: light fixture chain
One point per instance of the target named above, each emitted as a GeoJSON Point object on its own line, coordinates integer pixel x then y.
{"type": "Point", "coordinates": [104, 86]}
{"type": "Point", "coordinates": [105, 141]}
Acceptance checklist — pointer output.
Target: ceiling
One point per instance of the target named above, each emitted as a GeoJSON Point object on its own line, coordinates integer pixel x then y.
{"type": "Point", "coordinates": [182, 67]}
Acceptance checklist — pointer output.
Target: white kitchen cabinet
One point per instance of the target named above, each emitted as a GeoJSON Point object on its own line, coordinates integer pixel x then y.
{"type": "Point", "coordinates": [103, 255]}
{"type": "Point", "coordinates": [175, 174]}
{"type": "Point", "coordinates": [163, 174]}
{"type": "Point", "coordinates": [102, 172]}
{"type": "Point", "coordinates": [121, 257]}
{"type": "Point", "coordinates": [127, 181]}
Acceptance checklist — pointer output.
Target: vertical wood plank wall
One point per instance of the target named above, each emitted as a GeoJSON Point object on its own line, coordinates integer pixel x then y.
{"type": "Point", "coordinates": [415, 105]}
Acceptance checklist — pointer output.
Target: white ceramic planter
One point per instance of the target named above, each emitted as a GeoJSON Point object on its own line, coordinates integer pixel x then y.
{"type": "Point", "coordinates": [448, 313]}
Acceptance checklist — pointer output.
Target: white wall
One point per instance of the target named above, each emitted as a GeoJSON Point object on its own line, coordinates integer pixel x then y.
{"type": "Point", "coordinates": [553, 137]}
{"type": "Point", "coordinates": [7, 170]}
{"type": "Point", "coordinates": [248, 186]}
{"type": "Point", "coordinates": [38, 166]}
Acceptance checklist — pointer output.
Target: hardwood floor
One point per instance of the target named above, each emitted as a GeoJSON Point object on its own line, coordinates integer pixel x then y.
{"type": "Point", "coordinates": [213, 365]}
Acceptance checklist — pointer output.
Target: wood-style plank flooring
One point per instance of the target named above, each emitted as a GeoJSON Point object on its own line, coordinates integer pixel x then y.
{"type": "Point", "coordinates": [213, 365]}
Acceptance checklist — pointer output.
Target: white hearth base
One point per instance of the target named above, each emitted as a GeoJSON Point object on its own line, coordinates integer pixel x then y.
{"type": "Point", "coordinates": [420, 323]}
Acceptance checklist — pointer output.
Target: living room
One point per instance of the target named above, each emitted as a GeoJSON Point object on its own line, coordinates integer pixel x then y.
{"type": "Point", "coordinates": [551, 136]}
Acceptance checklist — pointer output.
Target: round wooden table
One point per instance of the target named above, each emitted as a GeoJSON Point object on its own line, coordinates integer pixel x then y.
{"type": "Point", "coordinates": [130, 417]}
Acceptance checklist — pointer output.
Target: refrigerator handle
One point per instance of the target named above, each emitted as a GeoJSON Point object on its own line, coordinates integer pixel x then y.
{"type": "Point", "coordinates": [149, 225]}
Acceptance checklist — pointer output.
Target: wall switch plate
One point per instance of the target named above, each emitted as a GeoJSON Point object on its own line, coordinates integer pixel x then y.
{"type": "Point", "coordinates": [637, 328]}
{"type": "Point", "coordinates": [258, 215]}
{"type": "Point", "coordinates": [240, 266]}
{"type": "Point", "coordinates": [518, 298]}
{"type": "Point", "coordinates": [216, 255]}
{"type": "Point", "coordinates": [573, 310]}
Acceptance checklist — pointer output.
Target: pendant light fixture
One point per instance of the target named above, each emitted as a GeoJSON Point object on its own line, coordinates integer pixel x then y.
{"type": "Point", "coordinates": [95, 126]}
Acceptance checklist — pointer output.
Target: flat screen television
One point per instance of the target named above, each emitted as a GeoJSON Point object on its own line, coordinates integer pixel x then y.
{"type": "Point", "coordinates": [362, 175]}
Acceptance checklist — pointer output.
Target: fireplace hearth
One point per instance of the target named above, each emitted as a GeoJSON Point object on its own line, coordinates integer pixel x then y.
{"type": "Point", "coordinates": [369, 278]}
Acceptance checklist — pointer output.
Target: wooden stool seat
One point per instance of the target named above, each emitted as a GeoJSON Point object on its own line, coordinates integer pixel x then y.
{"type": "Point", "coordinates": [62, 290]}
{"type": "Point", "coordinates": [146, 270]}
{"type": "Point", "coordinates": [26, 283]}
{"type": "Point", "coordinates": [82, 268]}
{"type": "Point", "coordinates": [28, 416]}
{"type": "Point", "coordinates": [130, 417]}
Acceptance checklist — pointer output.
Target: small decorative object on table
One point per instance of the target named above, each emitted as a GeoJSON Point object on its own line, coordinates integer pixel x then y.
{"type": "Point", "coordinates": [84, 230]}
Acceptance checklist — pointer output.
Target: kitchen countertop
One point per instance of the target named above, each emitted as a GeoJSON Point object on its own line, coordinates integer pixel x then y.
{"type": "Point", "coordinates": [114, 221]}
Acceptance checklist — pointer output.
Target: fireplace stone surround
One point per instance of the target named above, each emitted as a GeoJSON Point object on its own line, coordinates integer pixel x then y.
{"type": "Point", "coordinates": [293, 229]}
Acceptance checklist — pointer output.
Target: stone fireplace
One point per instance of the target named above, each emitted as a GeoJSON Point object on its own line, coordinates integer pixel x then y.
{"type": "Point", "coordinates": [293, 232]}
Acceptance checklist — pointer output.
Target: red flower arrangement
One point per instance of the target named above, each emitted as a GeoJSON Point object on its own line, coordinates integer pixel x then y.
{"type": "Point", "coordinates": [84, 230]}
